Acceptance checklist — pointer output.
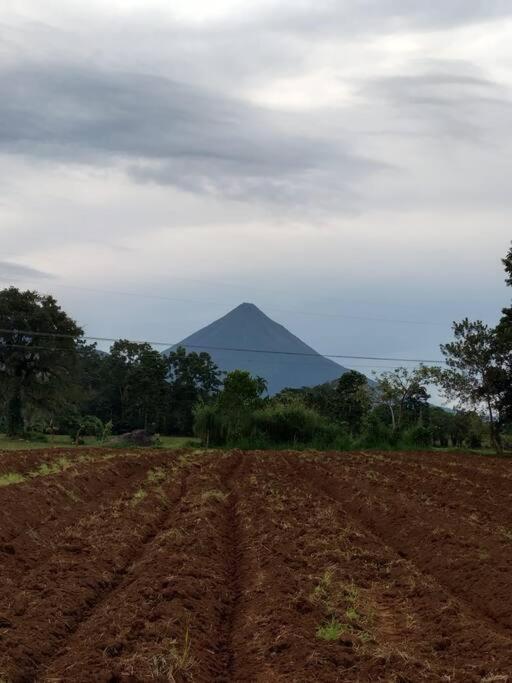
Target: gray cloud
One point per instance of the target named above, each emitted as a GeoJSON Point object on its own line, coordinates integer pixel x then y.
{"type": "Point", "coordinates": [12, 272]}
{"type": "Point", "coordinates": [446, 100]}
{"type": "Point", "coordinates": [171, 133]}
{"type": "Point", "coordinates": [383, 16]}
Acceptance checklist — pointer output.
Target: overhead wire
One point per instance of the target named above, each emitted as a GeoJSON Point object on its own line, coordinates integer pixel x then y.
{"type": "Point", "coordinates": [234, 349]}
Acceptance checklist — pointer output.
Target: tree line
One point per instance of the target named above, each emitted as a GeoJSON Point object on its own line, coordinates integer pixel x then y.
{"type": "Point", "coordinates": [52, 381]}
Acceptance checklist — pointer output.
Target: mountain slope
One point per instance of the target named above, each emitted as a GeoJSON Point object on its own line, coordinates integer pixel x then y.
{"type": "Point", "coordinates": [248, 333]}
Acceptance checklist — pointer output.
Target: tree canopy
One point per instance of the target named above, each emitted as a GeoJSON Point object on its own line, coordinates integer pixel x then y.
{"type": "Point", "coordinates": [38, 356]}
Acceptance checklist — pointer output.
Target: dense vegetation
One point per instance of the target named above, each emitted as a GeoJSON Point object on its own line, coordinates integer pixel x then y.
{"type": "Point", "coordinates": [51, 381]}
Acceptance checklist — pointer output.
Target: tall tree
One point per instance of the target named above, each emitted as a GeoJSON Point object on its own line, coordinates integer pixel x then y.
{"type": "Point", "coordinates": [240, 396]}
{"type": "Point", "coordinates": [192, 378]}
{"type": "Point", "coordinates": [352, 400]}
{"type": "Point", "coordinates": [399, 390]}
{"type": "Point", "coordinates": [137, 385]}
{"type": "Point", "coordinates": [38, 352]}
{"type": "Point", "coordinates": [474, 376]}
{"type": "Point", "coordinates": [504, 346]}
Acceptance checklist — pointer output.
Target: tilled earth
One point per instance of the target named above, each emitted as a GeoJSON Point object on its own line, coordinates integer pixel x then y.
{"type": "Point", "coordinates": [256, 566]}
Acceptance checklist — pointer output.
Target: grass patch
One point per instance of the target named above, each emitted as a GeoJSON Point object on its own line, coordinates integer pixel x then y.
{"type": "Point", "coordinates": [156, 475]}
{"type": "Point", "coordinates": [331, 630]}
{"type": "Point", "coordinates": [55, 467]}
{"type": "Point", "coordinates": [11, 478]}
{"type": "Point", "coordinates": [138, 496]}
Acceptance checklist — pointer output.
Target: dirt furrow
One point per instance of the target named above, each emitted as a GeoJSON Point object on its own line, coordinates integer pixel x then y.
{"type": "Point", "coordinates": [491, 640]}
{"type": "Point", "coordinates": [469, 559]}
{"type": "Point", "coordinates": [89, 560]}
{"type": "Point", "coordinates": [171, 605]}
{"type": "Point", "coordinates": [28, 532]}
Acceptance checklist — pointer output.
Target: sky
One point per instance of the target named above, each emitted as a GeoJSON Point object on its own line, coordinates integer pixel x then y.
{"type": "Point", "coordinates": [344, 165]}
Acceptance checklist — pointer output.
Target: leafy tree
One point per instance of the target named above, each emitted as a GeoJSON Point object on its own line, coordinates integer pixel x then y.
{"type": "Point", "coordinates": [239, 398]}
{"type": "Point", "coordinates": [37, 371]}
{"type": "Point", "coordinates": [192, 378]}
{"type": "Point", "coordinates": [352, 400]}
{"type": "Point", "coordinates": [440, 421]}
{"type": "Point", "coordinates": [137, 387]}
{"type": "Point", "coordinates": [474, 376]}
{"type": "Point", "coordinates": [504, 347]}
{"type": "Point", "coordinates": [400, 390]}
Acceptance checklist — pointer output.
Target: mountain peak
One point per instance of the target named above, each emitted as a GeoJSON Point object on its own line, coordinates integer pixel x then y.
{"type": "Point", "coordinates": [264, 348]}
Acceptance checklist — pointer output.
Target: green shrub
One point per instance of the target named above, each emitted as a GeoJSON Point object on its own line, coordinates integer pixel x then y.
{"type": "Point", "coordinates": [294, 425]}
{"type": "Point", "coordinates": [208, 425]}
{"type": "Point", "coordinates": [289, 423]}
{"type": "Point", "coordinates": [418, 436]}
{"type": "Point", "coordinates": [36, 436]}
{"type": "Point", "coordinates": [376, 434]}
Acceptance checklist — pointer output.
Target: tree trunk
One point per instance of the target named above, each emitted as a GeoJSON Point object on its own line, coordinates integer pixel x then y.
{"type": "Point", "coordinates": [15, 424]}
{"type": "Point", "coordinates": [393, 422]}
{"type": "Point", "coordinates": [493, 432]}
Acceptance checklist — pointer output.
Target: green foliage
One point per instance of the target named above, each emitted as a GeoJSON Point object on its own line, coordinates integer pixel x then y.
{"type": "Point", "coordinates": [403, 391]}
{"type": "Point", "coordinates": [208, 424]}
{"type": "Point", "coordinates": [288, 423]}
{"type": "Point", "coordinates": [239, 398]}
{"type": "Point", "coordinates": [331, 630]}
{"type": "Point", "coordinates": [475, 375]}
{"type": "Point", "coordinates": [296, 425]}
{"type": "Point", "coordinates": [136, 380]}
{"type": "Point", "coordinates": [352, 401]}
{"type": "Point", "coordinates": [417, 436]}
{"type": "Point", "coordinates": [377, 434]}
{"type": "Point", "coordinates": [37, 372]}
{"type": "Point", "coordinates": [191, 378]}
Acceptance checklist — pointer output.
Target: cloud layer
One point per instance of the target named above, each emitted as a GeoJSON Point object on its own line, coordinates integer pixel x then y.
{"type": "Point", "coordinates": [326, 157]}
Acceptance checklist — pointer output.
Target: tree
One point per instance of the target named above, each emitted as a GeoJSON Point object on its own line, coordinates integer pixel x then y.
{"type": "Point", "coordinates": [400, 390]}
{"type": "Point", "coordinates": [474, 376]}
{"type": "Point", "coordinates": [504, 346]}
{"type": "Point", "coordinates": [136, 375]}
{"type": "Point", "coordinates": [38, 355]}
{"type": "Point", "coordinates": [240, 396]}
{"type": "Point", "coordinates": [192, 378]}
{"type": "Point", "coordinates": [352, 400]}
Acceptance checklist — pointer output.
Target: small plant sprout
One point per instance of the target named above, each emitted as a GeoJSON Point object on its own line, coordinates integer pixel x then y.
{"type": "Point", "coordinates": [331, 630]}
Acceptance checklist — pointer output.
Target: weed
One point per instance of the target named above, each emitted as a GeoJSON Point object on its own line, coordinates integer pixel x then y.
{"type": "Point", "coordinates": [321, 591]}
{"type": "Point", "coordinates": [156, 475]}
{"type": "Point", "coordinates": [11, 478]}
{"type": "Point", "coordinates": [138, 496]}
{"type": "Point", "coordinates": [214, 495]}
{"type": "Point", "coordinates": [176, 661]}
{"type": "Point", "coordinates": [331, 630]}
{"type": "Point", "coordinates": [54, 467]}
{"type": "Point", "coordinates": [352, 614]}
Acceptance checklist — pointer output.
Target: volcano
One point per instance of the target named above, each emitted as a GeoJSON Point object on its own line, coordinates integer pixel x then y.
{"type": "Point", "coordinates": [247, 339]}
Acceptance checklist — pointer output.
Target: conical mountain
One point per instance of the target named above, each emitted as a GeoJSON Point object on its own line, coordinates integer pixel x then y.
{"type": "Point", "coordinates": [247, 339]}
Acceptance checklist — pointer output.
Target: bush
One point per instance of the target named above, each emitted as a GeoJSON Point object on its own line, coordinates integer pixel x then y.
{"type": "Point", "coordinates": [418, 436]}
{"type": "Point", "coordinates": [376, 434]}
{"type": "Point", "coordinates": [36, 436]}
{"type": "Point", "coordinates": [289, 424]}
{"type": "Point", "coordinates": [295, 425]}
{"type": "Point", "coordinates": [208, 425]}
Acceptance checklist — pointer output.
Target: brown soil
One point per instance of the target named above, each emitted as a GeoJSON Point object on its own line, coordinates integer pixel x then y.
{"type": "Point", "coordinates": [208, 566]}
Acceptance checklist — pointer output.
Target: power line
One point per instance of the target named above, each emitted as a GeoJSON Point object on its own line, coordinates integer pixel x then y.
{"type": "Point", "coordinates": [344, 316]}
{"type": "Point", "coordinates": [233, 349]}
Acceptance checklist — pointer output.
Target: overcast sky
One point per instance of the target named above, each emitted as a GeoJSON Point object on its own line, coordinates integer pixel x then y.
{"type": "Point", "coordinates": [345, 165]}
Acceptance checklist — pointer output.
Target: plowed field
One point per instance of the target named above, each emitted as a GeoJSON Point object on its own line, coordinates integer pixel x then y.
{"type": "Point", "coordinates": [254, 567]}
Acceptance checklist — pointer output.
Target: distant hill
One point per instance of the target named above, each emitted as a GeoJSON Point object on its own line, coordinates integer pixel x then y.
{"type": "Point", "coordinates": [247, 332]}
